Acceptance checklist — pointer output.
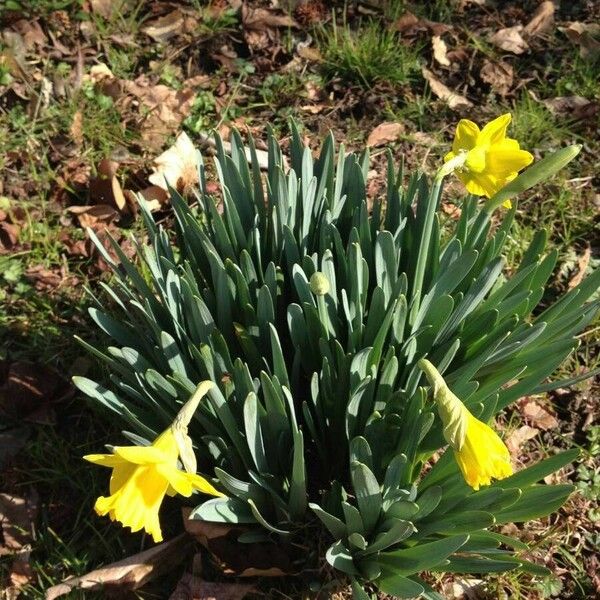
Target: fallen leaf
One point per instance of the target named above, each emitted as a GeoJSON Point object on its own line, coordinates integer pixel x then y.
{"type": "Point", "coordinates": [518, 437]}
{"type": "Point", "coordinates": [156, 197]}
{"type": "Point", "coordinates": [259, 559]}
{"type": "Point", "coordinates": [439, 50]}
{"type": "Point", "coordinates": [192, 587]}
{"type": "Point", "coordinates": [582, 265]}
{"type": "Point", "coordinates": [574, 107]}
{"type": "Point", "coordinates": [510, 39]}
{"type": "Point", "coordinates": [385, 133]}
{"type": "Point", "coordinates": [177, 165]}
{"type": "Point", "coordinates": [128, 574]}
{"type": "Point", "coordinates": [583, 34]}
{"type": "Point", "coordinates": [410, 25]}
{"type": "Point", "coordinates": [30, 32]}
{"type": "Point", "coordinates": [17, 518]}
{"type": "Point", "coordinates": [9, 236]}
{"type": "Point", "coordinates": [452, 99]}
{"type": "Point", "coordinates": [499, 75]}
{"type": "Point", "coordinates": [162, 109]}
{"type": "Point", "coordinates": [11, 441]}
{"type": "Point", "coordinates": [538, 415]}
{"type": "Point", "coordinates": [98, 73]}
{"type": "Point", "coordinates": [166, 27]}
{"type": "Point", "coordinates": [542, 20]}
{"type": "Point", "coordinates": [17, 521]}
{"type": "Point", "coordinates": [28, 389]}
{"type": "Point", "coordinates": [99, 215]}
{"type": "Point", "coordinates": [104, 8]}
{"type": "Point", "coordinates": [105, 187]}
{"type": "Point", "coordinates": [263, 18]}
{"type": "Point", "coordinates": [76, 129]}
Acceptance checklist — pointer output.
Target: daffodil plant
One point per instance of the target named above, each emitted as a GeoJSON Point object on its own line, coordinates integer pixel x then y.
{"type": "Point", "coordinates": [345, 361]}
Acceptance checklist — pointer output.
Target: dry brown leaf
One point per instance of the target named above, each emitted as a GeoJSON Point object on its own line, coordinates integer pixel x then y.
{"type": "Point", "coordinates": [410, 25]}
{"type": "Point", "coordinates": [163, 109]}
{"type": "Point", "coordinates": [128, 574]}
{"type": "Point", "coordinates": [29, 389]}
{"type": "Point", "coordinates": [583, 34]}
{"type": "Point", "coordinates": [439, 50]}
{"type": "Point", "coordinates": [31, 33]}
{"type": "Point", "coordinates": [192, 587]}
{"type": "Point", "coordinates": [573, 107]}
{"type": "Point", "coordinates": [155, 196]}
{"type": "Point", "coordinates": [76, 129]}
{"type": "Point", "coordinates": [542, 20]}
{"type": "Point", "coordinates": [499, 75]}
{"type": "Point", "coordinates": [582, 265]}
{"type": "Point", "coordinates": [385, 133]}
{"type": "Point", "coordinates": [17, 518]}
{"type": "Point", "coordinates": [9, 236]}
{"type": "Point", "coordinates": [105, 187]}
{"type": "Point", "coordinates": [98, 73]}
{"type": "Point", "coordinates": [263, 18]}
{"type": "Point", "coordinates": [260, 559]}
{"type": "Point", "coordinates": [97, 216]}
{"type": "Point", "coordinates": [166, 27]}
{"type": "Point", "coordinates": [452, 99]}
{"type": "Point", "coordinates": [104, 8]}
{"type": "Point", "coordinates": [518, 437]}
{"type": "Point", "coordinates": [177, 165]}
{"type": "Point", "coordinates": [537, 415]}
{"type": "Point", "coordinates": [510, 39]}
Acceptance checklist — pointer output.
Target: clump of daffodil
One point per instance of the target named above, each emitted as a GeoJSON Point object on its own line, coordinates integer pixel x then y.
{"type": "Point", "coordinates": [479, 451]}
{"type": "Point", "coordinates": [142, 475]}
{"type": "Point", "coordinates": [486, 159]}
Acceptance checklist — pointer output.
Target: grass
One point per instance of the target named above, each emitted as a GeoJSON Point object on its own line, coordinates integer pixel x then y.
{"type": "Point", "coordinates": [363, 58]}
{"type": "Point", "coordinates": [368, 57]}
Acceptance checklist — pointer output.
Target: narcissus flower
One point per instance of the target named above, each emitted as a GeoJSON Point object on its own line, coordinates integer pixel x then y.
{"type": "Point", "coordinates": [479, 451]}
{"type": "Point", "coordinates": [486, 160]}
{"type": "Point", "coordinates": [142, 475]}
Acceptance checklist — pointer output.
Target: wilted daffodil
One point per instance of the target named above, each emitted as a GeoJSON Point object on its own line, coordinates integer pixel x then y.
{"type": "Point", "coordinates": [142, 475]}
{"type": "Point", "coordinates": [485, 159]}
{"type": "Point", "coordinates": [479, 451]}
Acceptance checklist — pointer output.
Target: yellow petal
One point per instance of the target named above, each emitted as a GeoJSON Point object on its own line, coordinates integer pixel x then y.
{"type": "Point", "coordinates": [121, 473]}
{"type": "Point", "coordinates": [141, 455]}
{"type": "Point", "coordinates": [502, 161]}
{"type": "Point", "coordinates": [137, 503]}
{"type": "Point", "coordinates": [202, 485]}
{"type": "Point", "coordinates": [466, 136]}
{"type": "Point", "coordinates": [495, 131]}
{"type": "Point", "coordinates": [483, 456]}
{"type": "Point", "coordinates": [104, 460]}
{"type": "Point", "coordinates": [476, 160]}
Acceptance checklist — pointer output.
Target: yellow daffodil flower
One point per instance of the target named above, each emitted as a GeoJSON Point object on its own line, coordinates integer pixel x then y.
{"type": "Point", "coordinates": [142, 475]}
{"type": "Point", "coordinates": [478, 450]}
{"type": "Point", "coordinates": [486, 159]}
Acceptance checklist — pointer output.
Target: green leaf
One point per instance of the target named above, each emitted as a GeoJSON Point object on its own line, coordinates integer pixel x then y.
{"type": "Point", "coordinates": [223, 510]}
{"type": "Point", "coordinates": [422, 557]}
{"type": "Point", "coordinates": [368, 494]}
{"type": "Point", "coordinates": [399, 587]}
{"type": "Point", "coordinates": [537, 472]}
{"type": "Point", "coordinates": [340, 558]}
{"type": "Point", "coordinates": [336, 527]}
{"type": "Point", "coordinates": [539, 171]}
{"type": "Point", "coordinates": [536, 501]}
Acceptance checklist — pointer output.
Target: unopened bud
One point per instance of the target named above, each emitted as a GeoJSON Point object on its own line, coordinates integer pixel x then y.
{"type": "Point", "coordinates": [319, 284]}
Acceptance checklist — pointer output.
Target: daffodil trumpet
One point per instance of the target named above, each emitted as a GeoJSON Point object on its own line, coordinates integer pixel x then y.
{"type": "Point", "coordinates": [143, 475]}
{"type": "Point", "coordinates": [479, 452]}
